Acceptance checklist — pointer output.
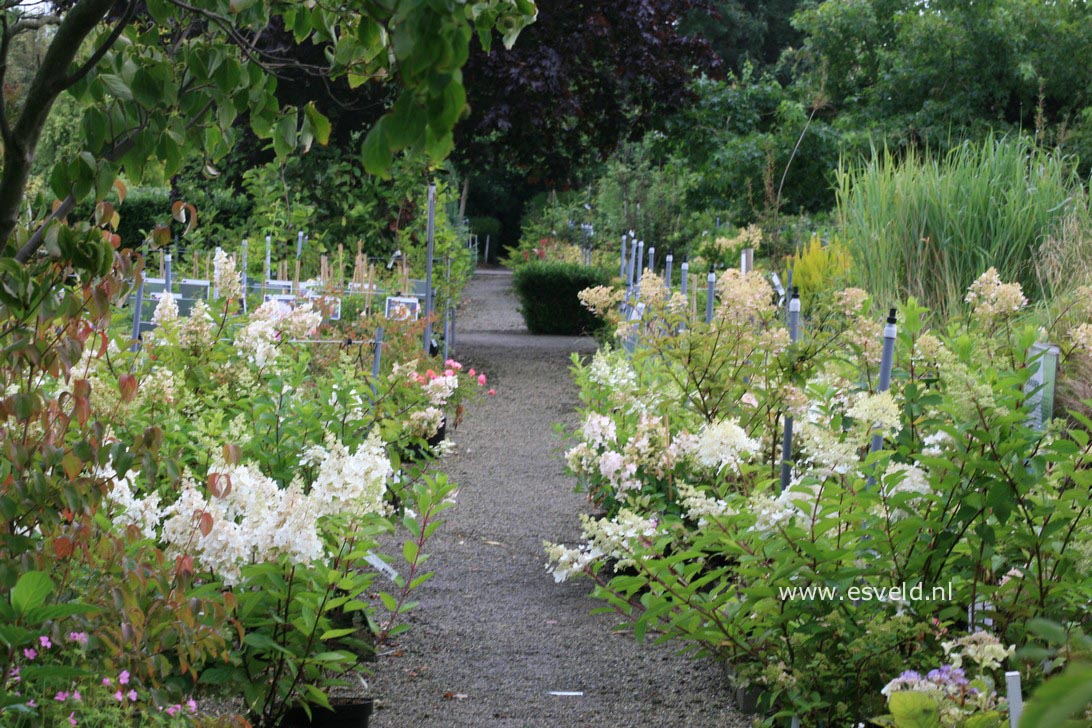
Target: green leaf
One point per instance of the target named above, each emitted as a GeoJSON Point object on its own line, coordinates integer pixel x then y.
{"type": "Point", "coordinates": [31, 591]}
{"type": "Point", "coordinates": [376, 151]}
{"type": "Point", "coordinates": [319, 123]}
{"type": "Point", "coordinates": [409, 551]}
{"type": "Point", "coordinates": [1060, 698]}
{"type": "Point", "coordinates": [284, 135]}
{"type": "Point", "coordinates": [116, 86]}
{"type": "Point", "coordinates": [914, 710]}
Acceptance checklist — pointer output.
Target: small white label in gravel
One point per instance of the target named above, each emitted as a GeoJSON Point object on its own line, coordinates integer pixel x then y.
{"type": "Point", "coordinates": [381, 566]}
{"type": "Point", "coordinates": [570, 693]}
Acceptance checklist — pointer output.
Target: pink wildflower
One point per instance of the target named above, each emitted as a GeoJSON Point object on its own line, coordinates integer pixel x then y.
{"type": "Point", "coordinates": [133, 695]}
{"type": "Point", "coordinates": [172, 710]}
{"type": "Point", "coordinates": [123, 678]}
{"type": "Point", "coordinates": [119, 697]}
{"type": "Point", "coordinates": [472, 372]}
{"type": "Point", "coordinates": [30, 653]}
{"type": "Point", "coordinates": [76, 696]}
{"type": "Point", "coordinates": [45, 642]}
{"type": "Point", "coordinates": [72, 719]}
{"type": "Point", "coordinates": [78, 637]}
{"type": "Point", "coordinates": [61, 696]}
{"type": "Point", "coordinates": [481, 380]}
{"type": "Point", "coordinates": [492, 392]}
{"type": "Point", "coordinates": [191, 704]}
{"type": "Point", "coordinates": [107, 682]}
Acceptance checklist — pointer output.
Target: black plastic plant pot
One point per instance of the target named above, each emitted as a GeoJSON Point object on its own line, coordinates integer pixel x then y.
{"type": "Point", "coordinates": [344, 715]}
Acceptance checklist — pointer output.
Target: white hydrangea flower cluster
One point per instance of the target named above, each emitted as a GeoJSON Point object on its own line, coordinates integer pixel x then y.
{"type": "Point", "coordinates": [700, 507]}
{"type": "Point", "coordinates": [980, 647]}
{"type": "Point", "coordinates": [651, 289]}
{"type": "Point", "coordinates": [226, 279]}
{"type": "Point", "coordinates": [1082, 337]}
{"type": "Point", "coordinates": [254, 519]}
{"type": "Point", "coordinates": [772, 513]}
{"type": "Point", "coordinates": [877, 411]}
{"type": "Point", "coordinates": [426, 423]}
{"type": "Point", "coordinates": [903, 478]}
{"type": "Point", "coordinates": [724, 443]}
{"type": "Point", "coordinates": [615, 537]}
{"type": "Point", "coordinates": [743, 295]}
{"type": "Point", "coordinates": [619, 472]}
{"type": "Point", "coordinates": [599, 430]}
{"type": "Point", "coordinates": [440, 389]}
{"type": "Point", "coordinates": [166, 311]}
{"type": "Point", "coordinates": [612, 370]}
{"type": "Point", "coordinates": [564, 562]}
{"type": "Point", "coordinates": [140, 512]}
{"type": "Point", "coordinates": [272, 323]}
{"type": "Point", "coordinates": [195, 331]}
{"type": "Point", "coordinates": [851, 301]}
{"type": "Point", "coordinates": [600, 300]}
{"type": "Point", "coordinates": [990, 298]}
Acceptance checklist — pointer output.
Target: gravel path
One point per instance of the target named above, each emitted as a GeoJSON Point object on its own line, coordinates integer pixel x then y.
{"type": "Point", "coordinates": [494, 634]}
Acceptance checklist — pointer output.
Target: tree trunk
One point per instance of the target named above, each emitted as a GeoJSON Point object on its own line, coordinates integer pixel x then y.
{"type": "Point", "coordinates": [50, 80]}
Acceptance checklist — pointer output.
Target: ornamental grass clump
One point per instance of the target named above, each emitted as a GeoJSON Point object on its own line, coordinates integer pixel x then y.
{"type": "Point", "coordinates": [935, 549]}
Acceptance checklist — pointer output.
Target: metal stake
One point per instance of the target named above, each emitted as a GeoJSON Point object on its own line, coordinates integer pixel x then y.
{"type": "Point", "coordinates": [431, 232]}
{"type": "Point", "coordinates": [786, 442]}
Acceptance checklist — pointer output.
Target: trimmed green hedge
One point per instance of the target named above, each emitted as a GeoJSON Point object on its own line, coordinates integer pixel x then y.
{"type": "Point", "coordinates": [547, 296]}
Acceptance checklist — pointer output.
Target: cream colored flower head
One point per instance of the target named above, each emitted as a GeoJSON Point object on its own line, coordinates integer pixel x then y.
{"type": "Point", "coordinates": [990, 298]}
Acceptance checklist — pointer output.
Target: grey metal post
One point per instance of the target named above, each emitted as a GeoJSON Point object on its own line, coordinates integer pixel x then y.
{"type": "Point", "coordinates": [631, 268]}
{"type": "Point", "coordinates": [890, 332]}
{"type": "Point", "coordinates": [1015, 696]}
{"type": "Point", "coordinates": [138, 306]}
{"type": "Point", "coordinates": [710, 295]}
{"type": "Point", "coordinates": [684, 283]}
{"type": "Point", "coordinates": [299, 245]}
{"type": "Point", "coordinates": [431, 232]}
{"type": "Point", "coordinates": [215, 290]}
{"type": "Point", "coordinates": [667, 270]}
{"type": "Point", "coordinates": [1043, 362]}
{"type": "Point", "coordinates": [652, 259]}
{"type": "Point", "coordinates": [167, 272]}
{"type": "Point", "coordinates": [377, 358]}
{"type": "Point", "coordinates": [485, 259]}
{"type": "Point", "coordinates": [640, 263]}
{"type": "Point", "coordinates": [788, 287]}
{"type": "Point", "coordinates": [786, 442]}
{"type": "Point", "coordinates": [268, 249]}
{"type": "Point", "coordinates": [454, 311]}
{"type": "Point", "coordinates": [622, 270]}
{"type": "Point", "coordinates": [244, 277]}
{"type": "Point", "coordinates": [747, 260]}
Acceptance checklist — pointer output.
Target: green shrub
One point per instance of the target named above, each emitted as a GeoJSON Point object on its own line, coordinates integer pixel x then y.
{"type": "Point", "coordinates": [482, 226]}
{"type": "Point", "coordinates": [547, 295]}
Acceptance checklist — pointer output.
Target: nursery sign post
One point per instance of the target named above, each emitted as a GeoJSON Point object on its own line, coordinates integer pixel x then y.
{"type": "Point", "coordinates": [1043, 359]}
{"type": "Point", "coordinates": [667, 270]}
{"type": "Point", "coordinates": [431, 233]}
{"type": "Point", "coordinates": [786, 442]}
{"type": "Point", "coordinates": [640, 261]}
{"type": "Point", "coordinates": [890, 333]}
{"type": "Point", "coordinates": [747, 260]}
{"type": "Point", "coordinates": [622, 268]}
{"type": "Point", "coordinates": [167, 272]}
{"type": "Point", "coordinates": [652, 259]}
{"type": "Point", "coordinates": [710, 295]}
{"type": "Point", "coordinates": [377, 357]}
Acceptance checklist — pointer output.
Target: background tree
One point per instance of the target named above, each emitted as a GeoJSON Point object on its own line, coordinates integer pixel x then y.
{"type": "Point", "coordinates": [163, 80]}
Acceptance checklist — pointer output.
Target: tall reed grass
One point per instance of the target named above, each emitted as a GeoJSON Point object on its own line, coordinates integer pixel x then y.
{"type": "Point", "coordinates": [928, 227]}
